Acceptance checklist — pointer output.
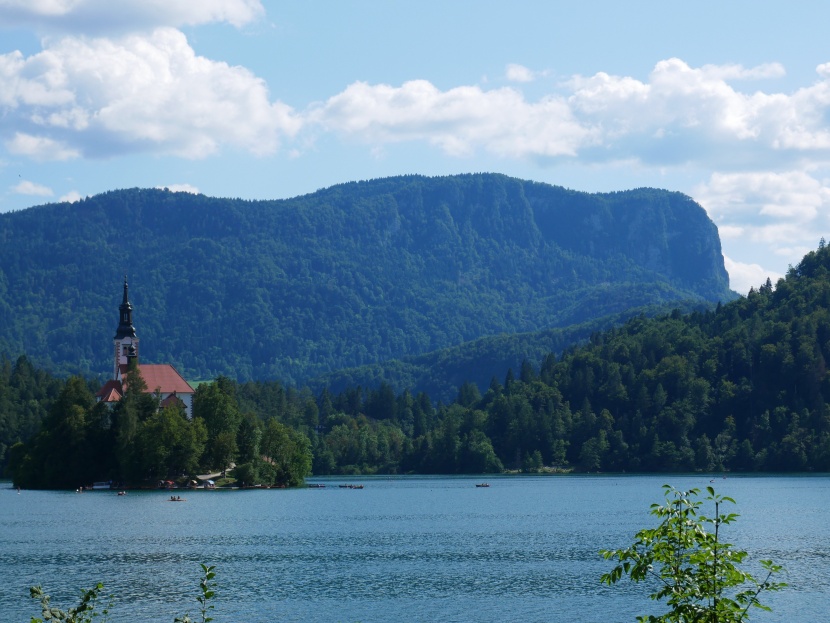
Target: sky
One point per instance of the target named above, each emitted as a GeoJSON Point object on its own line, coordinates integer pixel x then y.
{"type": "Point", "coordinates": [727, 101]}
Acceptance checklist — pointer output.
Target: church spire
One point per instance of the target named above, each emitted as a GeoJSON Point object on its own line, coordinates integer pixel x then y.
{"type": "Point", "coordinates": [125, 325]}
{"type": "Point", "coordinates": [126, 341]}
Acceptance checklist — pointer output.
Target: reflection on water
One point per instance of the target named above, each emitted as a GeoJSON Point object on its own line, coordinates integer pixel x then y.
{"type": "Point", "coordinates": [402, 549]}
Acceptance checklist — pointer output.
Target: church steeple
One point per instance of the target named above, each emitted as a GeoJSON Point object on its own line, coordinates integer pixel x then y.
{"type": "Point", "coordinates": [125, 325]}
{"type": "Point", "coordinates": [126, 340]}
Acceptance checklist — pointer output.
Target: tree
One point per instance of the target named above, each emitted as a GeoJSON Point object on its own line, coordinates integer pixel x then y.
{"type": "Point", "coordinates": [169, 444]}
{"type": "Point", "coordinates": [698, 575]}
{"type": "Point", "coordinates": [288, 452]}
{"type": "Point", "coordinates": [224, 450]}
{"type": "Point", "coordinates": [215, 403]}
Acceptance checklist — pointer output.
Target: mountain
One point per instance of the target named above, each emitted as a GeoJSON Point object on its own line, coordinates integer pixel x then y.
{"type": "Point", "coordinates": [351, 275]}
{"type": "Point", "coordinates": [739, 387]}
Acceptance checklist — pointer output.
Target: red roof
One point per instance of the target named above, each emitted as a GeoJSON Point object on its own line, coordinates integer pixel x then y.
{"type": "Point", "coordinates": [161, 376]}
{"type": "Point", "coordinates": [164, 378]}
{"type": "Point", "coordinates": [110, 392]}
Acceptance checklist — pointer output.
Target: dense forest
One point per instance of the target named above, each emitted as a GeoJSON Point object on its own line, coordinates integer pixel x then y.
{"type": "Point", "coordinates": [742, 387]}
{"type": "Point", "coordinates": [441, 374]}
{"type": "Point", "coordinates": [139, 443]}
{"type": "Point", "coordinates": [349, 276]}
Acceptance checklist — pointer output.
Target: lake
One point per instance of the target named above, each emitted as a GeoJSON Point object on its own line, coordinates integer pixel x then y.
{"type": "Point", "coordinates": [419, 549]}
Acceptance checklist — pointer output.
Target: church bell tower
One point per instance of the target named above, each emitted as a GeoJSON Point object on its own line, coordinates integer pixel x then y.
{"type": "Point", "coordinates": [126, 341]}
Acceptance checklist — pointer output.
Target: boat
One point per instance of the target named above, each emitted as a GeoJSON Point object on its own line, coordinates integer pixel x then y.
{"type": "Point", "coordinates": [176, 498]}
{"type": "Point", "coordinates": [483, 484]}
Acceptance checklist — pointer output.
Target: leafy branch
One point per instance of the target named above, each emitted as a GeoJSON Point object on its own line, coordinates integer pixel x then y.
{"type": "Point", "coordinates": [206, 586]}
{"type": "Point", "coordinates": [85, 612]}
{"type": "Point", "coordinates": [698, 576]}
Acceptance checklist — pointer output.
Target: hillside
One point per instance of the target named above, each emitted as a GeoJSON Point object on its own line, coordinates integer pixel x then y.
{"type": "Point", "coordinates": [440, 374]}
{"type": "Point", "coordinates": [348, 276]}
{"type": "Point", "coordinates": [741, 387]}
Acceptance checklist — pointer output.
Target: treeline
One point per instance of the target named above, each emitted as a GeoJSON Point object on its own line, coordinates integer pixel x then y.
{"type": "Point", "coordinates": [744, 387]}
{"type": "Point", "coordinates": [26, 394]}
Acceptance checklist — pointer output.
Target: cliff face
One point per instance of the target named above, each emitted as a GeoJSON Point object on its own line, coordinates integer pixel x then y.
{"type": "Point", "coordinates": [350, 275]}
{"type": "Point", "coordinates": [664, 232]}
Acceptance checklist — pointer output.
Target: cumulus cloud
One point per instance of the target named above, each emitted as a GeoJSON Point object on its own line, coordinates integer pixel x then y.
{"type": "Point", "coordinates": [25, 187]}
{"type": "Point", "coordinates": [108, 16]}
{"type": "Point", "coordinates": [785, 213]}
{"type": "Point", "coordinates": [681, 115]}
{"type": "Point", "coordinates": [743, 276]}
{"type": "Point", "coordinates": [792, 196]}
{"type": "Point", "coordinates": [459, 121]}
{"type": "Point", "coordinates": [39, 147]}
{"type": "Point", "coordinates": [519, 73]}
{"type": "Point", "coordinates": [181, 188]}
{"type": "Point", "coordinates": [101, 97]}
{"type": "Point", "coordinates": [72, 196]}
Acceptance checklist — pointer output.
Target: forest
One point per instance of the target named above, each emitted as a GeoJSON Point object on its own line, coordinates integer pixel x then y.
{"type": "Point", "coordinates": [740, 387]}
{"type": "Point", "coordinates": [349, 276]}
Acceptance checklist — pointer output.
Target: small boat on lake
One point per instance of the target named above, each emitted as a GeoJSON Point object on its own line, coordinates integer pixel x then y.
{"type": "Point", "coordinates": [483, 484]}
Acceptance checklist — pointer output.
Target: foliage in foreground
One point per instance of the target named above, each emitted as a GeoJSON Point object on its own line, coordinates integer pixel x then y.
{"type": "Point", "coordinates": [87, 610]}
{"type": "Point", "coordinates": [206, 586]}
{"type": "Point", "coordinates": [698, 576]}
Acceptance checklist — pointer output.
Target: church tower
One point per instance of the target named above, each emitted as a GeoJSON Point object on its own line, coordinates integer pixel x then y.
{"type": "Point", "coordinates": [126, 341]}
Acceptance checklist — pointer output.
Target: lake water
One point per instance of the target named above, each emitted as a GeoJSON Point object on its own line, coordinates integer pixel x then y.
{"type": "Point", "coordinates": [408, 549]}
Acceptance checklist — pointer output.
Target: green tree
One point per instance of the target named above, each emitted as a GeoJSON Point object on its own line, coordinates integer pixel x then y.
{"type": "Point", "coordinates": [215, 403]}
{"type": "Point", "coordinates": [224, 450]}
{"type": "Point", "coordinates": [288, 452]}
{"type": "Point", "coordinates": [698, 575]}
{"type": "Point", "coordinates": [170, 444]}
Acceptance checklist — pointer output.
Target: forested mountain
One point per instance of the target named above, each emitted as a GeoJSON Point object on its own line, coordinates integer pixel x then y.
{"type": "Point", "coordinates": [348, 276]}
{"type": "Point", "coordinates": [742, 387]}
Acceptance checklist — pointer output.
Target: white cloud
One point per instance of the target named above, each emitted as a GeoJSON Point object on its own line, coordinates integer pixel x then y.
{"type": "Point", "coordinates": [109, 16]}
{"type": "Point", "coordinates": [742, 276]}
{"type": "Point", "coordinates": [765, 71]}
{"type": "Point", "coordinates": [459, 121]}
{"type": "Point", "coordinates": [181, 188]}
{"type": "Point", "coordinates": [25, 187]}
{"type": "Point", "coordinates": [39, 147]}
{"type": "Point", "coordinates": [728, 232]}
{"type": "Point", "coordinates": [793, 196]}
{"type": "Point", "coordinates": [101, 97]}
{"type": "Point", "coordinates": [519, 73]}
{"type": "Point", "coordinates": [684, 114]}
{"type": "Point", "coordinates": [783, 213]}
{"type": "Point", "coordinates": [681, 115]}
{"type": "Point", "coordinates": [72, 196]}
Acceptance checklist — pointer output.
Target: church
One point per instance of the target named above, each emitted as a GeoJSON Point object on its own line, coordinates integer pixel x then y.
{"type": "Point", "coordinates": [161, 379]}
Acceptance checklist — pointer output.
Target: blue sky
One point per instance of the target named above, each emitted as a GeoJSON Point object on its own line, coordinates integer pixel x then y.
{"type": "Point", "coordinates": [728, 102]}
